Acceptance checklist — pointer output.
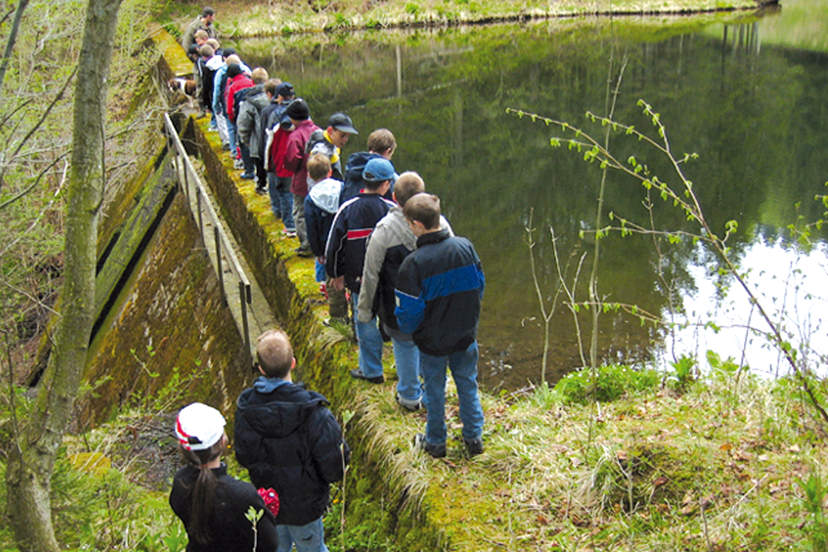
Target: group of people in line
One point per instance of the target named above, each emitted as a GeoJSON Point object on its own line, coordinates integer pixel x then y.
{"type": "Point", "coordinates": [381, 246]}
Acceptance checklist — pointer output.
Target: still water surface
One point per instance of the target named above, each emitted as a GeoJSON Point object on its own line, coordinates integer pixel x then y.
{"type": "Point", "coordinates": [755, 112]}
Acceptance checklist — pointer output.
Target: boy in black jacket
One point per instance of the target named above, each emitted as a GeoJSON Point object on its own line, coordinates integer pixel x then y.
{"type": "Point", "coordinates": [288, 440]}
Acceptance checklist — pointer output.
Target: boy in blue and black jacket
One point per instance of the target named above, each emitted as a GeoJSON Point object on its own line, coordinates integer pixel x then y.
{"type": "Point", "coordinates": [439, 289]}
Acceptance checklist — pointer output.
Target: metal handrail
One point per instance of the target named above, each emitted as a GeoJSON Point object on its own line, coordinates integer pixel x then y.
{"type": "Point", "coordinates": [203, 202]}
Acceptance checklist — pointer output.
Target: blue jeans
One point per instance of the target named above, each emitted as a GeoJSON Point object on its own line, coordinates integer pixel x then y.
{"type": "Point", "coordinates": [307, 538]}
{"type": "Point", "coordinates": [231, 136]}
{"type": "Point", "coordinates": [281, 200]}
{"type": "Point", "coordinates": [370, 344]}
{"type": "Point", "coordinates": [247, 161]}
{"type": "Point", "coordinates": [407, 359]}
{"type": "Point", "coordinates": [463, 366]}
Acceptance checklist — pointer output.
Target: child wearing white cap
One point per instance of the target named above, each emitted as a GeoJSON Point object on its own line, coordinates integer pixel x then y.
{"type": "Point", "coordinates": [211, 503]}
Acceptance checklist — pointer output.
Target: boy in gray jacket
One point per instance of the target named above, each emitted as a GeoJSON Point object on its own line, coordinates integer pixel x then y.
{"type": "Point", "coordinates": [391, 241]}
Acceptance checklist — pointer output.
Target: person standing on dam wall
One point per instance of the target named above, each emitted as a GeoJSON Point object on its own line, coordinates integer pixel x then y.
{"type": "Point", "coordinates": [439, 289]}
{"type": "Point", "coordinates": [288, 440]}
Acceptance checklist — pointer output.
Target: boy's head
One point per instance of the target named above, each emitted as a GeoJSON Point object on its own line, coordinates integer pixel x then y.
{"type": "Point", "coordinates": [423, 213]}
{"type": "Point", "coordinates": [232, 58]}
{"type": "Point", "coordinates": [319, 167]}
{"type": "Point", "coordinates": [285, 91]}
{"type": "Point", "coordinates": [378, 171]}
{"type": "Point", "coordinates": [200, 36]}
{"type": "Point", "coordinates": [274, 354]}
{"type": "Point", "coordinates": [215, 44]}
{"type": "Point", "coordinates": [259, 75]}
{"type": "Point", "coordinates": [206, 51]}
{"type": "Point", "coordinates": [233, 70]}
{"type": "Point", "coordinates": [340, 128]}
{"type": "Point", "coordinates": [381, 141]}
{"type": "Point", "coordinates": [271, 86]}
{"type": "Point", "coordinates": [407, 186]}
{"type": "Point", "coordinates": [298, 110]}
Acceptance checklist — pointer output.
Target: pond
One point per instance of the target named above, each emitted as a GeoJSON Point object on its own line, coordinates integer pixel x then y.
{"type": "Point", "coordinates": [754, 111]}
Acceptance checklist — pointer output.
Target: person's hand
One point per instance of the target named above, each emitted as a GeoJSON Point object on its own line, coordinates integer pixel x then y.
{"type": "Point", "coordinates": [339, 283]}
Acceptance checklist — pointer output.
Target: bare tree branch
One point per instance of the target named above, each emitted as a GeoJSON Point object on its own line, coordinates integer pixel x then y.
{"type": "Point", "coordinates": [40, 121]}
{"type": "Point", "coordinates": [21, 7]}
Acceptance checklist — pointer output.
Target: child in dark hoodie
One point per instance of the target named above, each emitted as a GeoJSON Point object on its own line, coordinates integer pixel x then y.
{"type": "Point", "coordinates": [381, 143]}
{"type": "Point", "coordinates": [288, 440]}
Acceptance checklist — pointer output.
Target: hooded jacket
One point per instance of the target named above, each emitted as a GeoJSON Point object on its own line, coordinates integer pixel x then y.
{"type": "Point", "coordinates": [234, 84]}
{"type": "Point", "coordinates": [353, 175]}
{"type": "Point", "coordinates": [390, 243]}
{"type": "Point", "coordinates": [288, 440]}
{"type": "Point", "coordinates": [249, 122]}
{"type": "Point", "coordinates": [321, 205]}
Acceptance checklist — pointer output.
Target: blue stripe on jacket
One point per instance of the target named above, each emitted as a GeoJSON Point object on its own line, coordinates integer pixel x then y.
{"type": "Point", "coordinates": [456, 280]}
{"type": "Point", "coordinates": [409, 311]}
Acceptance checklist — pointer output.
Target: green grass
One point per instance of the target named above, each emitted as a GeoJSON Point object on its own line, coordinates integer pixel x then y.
{"type": "Point", "coordinates": [267, 19]}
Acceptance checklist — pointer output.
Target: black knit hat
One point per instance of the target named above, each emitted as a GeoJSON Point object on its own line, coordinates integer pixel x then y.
{"type": "Point", "coordinates": [298, 110]}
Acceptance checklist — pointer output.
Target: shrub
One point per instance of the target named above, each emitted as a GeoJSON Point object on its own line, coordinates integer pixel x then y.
{"type": "Point", "coordinates": [607, 384]}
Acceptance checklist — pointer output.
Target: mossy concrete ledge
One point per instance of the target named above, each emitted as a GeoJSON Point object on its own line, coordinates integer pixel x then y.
{"type": "Point", "coordinates": [425, 503]}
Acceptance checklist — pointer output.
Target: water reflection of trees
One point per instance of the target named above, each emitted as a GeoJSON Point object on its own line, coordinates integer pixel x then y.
{"type": "Point", "coordinates": [757, 122]}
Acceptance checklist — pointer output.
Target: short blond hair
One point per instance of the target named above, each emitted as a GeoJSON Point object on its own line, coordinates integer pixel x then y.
{"type": "Point", "coordinates": [408, 185]}
{"type": "Point", "coordinates": [319, 166]}
{"type": "Point", "coordinates": [274, 353]}
{"type": "Point", "coordinates": [259, 75]}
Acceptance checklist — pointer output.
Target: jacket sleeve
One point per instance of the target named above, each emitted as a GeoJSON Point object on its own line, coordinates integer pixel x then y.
{"type": "Point", "coordinates": [334, 263]}
{"type": "Point", "coordinates": [374, 257]}
{"type": "Point", "coordinates": [329, 447]}
{"type": "Point", "coordinates": [244, 123]}
{"type": "Point", "coordinates": [410, 308]}
{"type": "Point", "coordinates": [217, 92]}
{"type": "Point", "coordinates": [313, 227]}
{"type": "Point", "coordinates": [294, 154]}
{"type": "Point", "coordinates": [246, 443]}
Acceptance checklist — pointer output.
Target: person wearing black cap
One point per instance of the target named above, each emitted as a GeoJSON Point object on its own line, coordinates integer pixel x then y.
{"type": "Point", "coordinates": [204, 22]}
{"type": "Point", "coordinates": [332, 140]}
{"type": "Point", "coordinates": [296, 161]}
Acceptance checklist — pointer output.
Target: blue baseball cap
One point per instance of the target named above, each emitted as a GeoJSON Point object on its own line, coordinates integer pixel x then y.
{"type": "Point", "coordinates": [378, 169]}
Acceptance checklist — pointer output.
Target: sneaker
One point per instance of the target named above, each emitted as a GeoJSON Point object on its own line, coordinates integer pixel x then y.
{"type": "Point", "coordinates": [238, 164]}
{"type": "Point", "coordinates": [357, 374]}
{"type": "Point", "coordinates": [289, 233]}
{"type": "Point", "coordinates": [261, 191]}
{"type": "Point", "coordinates": [304, 252]}
{"type": "Point", "coordinates": [436, 451]}
{"type": "Point", "coordinates": [225, 146]}
{"type": "Point", "coordinates": [334, 321]}
{"type": "Point", "coordinates": [408, 404]}
{"type": "Point", "coordinates": [247, 176]}
{"type": "Point", "coordinates": [474, 446]}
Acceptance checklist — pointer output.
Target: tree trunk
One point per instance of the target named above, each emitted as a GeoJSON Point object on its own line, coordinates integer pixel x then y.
{"type": "Point", "coordinates": [33, 456]}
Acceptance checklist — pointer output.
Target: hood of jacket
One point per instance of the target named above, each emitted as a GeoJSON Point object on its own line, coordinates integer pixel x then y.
{"type": "Point", "coordinates": [325, 194]}
{"type": "Point", "coordinates": [356, 164]}
{"type": "Point", "coordinates": [398, 231]}
{"type": "Point", "coordinates": [279, 413]}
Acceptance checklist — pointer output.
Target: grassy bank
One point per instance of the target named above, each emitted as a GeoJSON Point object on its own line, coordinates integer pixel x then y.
{"type": "Point", "coordinates": [723, 463]}
{"type": "Point", "coordinates": [267, 19]}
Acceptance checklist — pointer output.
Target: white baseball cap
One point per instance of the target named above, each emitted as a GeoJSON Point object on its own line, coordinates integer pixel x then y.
{"type": "Point", "coordinates": [199, 427]}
